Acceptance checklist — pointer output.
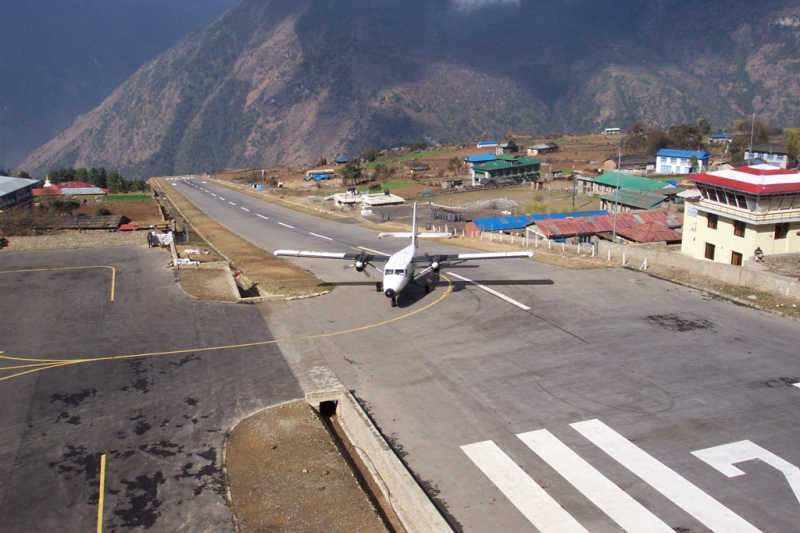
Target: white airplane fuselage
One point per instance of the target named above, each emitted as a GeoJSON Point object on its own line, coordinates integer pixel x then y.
{"type": "Point", "coordinates": [399, 271]}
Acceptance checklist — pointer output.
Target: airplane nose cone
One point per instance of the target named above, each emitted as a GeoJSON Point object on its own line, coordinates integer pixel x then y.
{"type": "Point", "coordinates": [389, 293]}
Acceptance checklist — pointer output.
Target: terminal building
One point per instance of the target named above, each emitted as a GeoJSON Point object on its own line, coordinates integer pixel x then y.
{"type": "Point", "coordinates": [742, 209]}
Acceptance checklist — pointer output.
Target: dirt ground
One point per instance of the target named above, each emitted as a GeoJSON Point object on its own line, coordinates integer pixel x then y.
{"type": "Point", "coordinates": [142, 213]}
{"type": "Point", "coordinates": [286, 473]}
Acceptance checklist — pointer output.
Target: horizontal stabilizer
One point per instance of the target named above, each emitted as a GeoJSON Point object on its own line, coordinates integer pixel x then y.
{"type": "Point", "coordinates": [408, 235]}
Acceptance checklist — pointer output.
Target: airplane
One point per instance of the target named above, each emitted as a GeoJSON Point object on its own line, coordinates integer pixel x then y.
{"type": "Point", "coordinates": [401, 266]}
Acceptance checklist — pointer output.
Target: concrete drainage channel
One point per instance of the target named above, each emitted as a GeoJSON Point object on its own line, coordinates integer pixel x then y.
{"type": "Point", "coordinates": [348, 422]}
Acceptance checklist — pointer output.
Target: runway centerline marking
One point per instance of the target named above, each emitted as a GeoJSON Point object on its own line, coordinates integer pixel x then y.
{"type": "Point", "coordinates": [244, 209]}
{"type": "Point", "coordinates": [286, 225]}
{"type": "Point", "coordinates": [320, 236]}
{"type": "Point", "coordinates": [46, 364]}
{"type": "Point", "coordinates": [262, 216]}
{"type": "Point", "coordinates": [492, 291]}
{"type": "Point", "coordinates": [233, 204]}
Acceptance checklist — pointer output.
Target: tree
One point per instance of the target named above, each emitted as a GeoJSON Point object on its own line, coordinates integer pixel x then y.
{"type": "Point", "coordinates": [454, 165]}
{"type": "Point", "coordinates": [370, 155]}
{"type": "Point", "coordinates": [115, 182]}
{"type": "Point", "coordinates": [685, 137]}
{"type": "Point", "coordinates": [636, 139]}
{"type": "Point", "coordinates": [759, 129]}
{"type": "Point", "coordinates": [352, 172]}
{"type": "Point", "coordinates": [656, 140]}
{"type": "Point", "coordinates": [792, 147]}
{"type": "Point", "coordinates": [704, 125]}
{"type": "Point", "coordinates": [513, 147]}
{"type": "Point", "coordinates": [82, 175]}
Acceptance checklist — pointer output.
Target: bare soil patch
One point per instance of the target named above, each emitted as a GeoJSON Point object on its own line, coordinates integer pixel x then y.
{"type": "Point", "coordinates": [141, 213]}
{"type": "Point", "coordinates": [286, 473]}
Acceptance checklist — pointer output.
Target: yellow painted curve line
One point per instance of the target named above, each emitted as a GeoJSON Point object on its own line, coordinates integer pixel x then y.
{"type": "Point", "coordinates": [46, 364]}
{"type": "Point", "coordinates": [113, 273]}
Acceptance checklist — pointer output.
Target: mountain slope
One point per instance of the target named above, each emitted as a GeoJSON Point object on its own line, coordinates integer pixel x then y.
{"type": "Point", "coordinates": [279, 83]}
{"type": "Point", "coordinates": [61, 59]}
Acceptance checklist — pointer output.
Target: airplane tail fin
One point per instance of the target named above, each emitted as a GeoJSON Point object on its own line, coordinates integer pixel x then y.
{"type": "Point", "coordinates": [414, 227]}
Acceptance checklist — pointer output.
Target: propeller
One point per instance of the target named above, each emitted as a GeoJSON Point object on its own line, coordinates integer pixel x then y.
{"type": "Point", "coordinates": [361, 263]}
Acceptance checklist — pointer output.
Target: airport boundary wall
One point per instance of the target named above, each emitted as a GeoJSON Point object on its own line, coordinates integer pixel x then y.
{"type": "Point", "coordinates": [644, 258]}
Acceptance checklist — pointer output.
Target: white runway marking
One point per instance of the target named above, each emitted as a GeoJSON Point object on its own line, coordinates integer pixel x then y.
{"type": "Point", "coordinates": [221, 198]}
{"type": "Point", "coordinates": [320, 236]}
{"type": "Point", "coordinates": [262, 216]}
{"type": "Point", "coordinates": [492, 291]}
{"type": "Point", "coordinates": [723, 458]}
{"type": "Point", "coordinates": [526, 495]}
{"type": "Point", "coordinates": [612, 500]}
{"type": "Point", "coordinates": [245, 209]}
{"type": "Point", "coordinates": [212, 194]}
{"type": "Point", "coordinates": [286, 225]}
{"type": "Point", "coordinates": [677, 489]}
{"type": "Point", "coordinates": [233, 204]}
{"type": "Point", "coordinates": [796, 385]}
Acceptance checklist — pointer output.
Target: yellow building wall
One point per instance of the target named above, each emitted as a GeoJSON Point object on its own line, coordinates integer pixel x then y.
{"type": "Point", "coordinates": [696, 234]}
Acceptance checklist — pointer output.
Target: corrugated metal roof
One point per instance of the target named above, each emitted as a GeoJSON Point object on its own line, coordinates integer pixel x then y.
{"type": "Point", "coordinates": [605, 223]}
{"type": "Point", "coordinates": [81, 190]}
{"type": "Point", "coordinates": [637, 199]}
{"type": "Point", "coordinates": [521, 221]}
{"type": "Point", "coordinates": [649, 232]}
{"type": "Point", "coordinates": [480, 158]}
{"type": "Point", "coordinates": [628, 181]}
{"type": "Point", "coordinates": [668, 152]}
{"type": "Point", "coordinates": [9, 184]}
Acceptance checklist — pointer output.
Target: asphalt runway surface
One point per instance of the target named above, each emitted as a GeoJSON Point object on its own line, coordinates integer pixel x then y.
{"type": "Point", "coordinates": [615, 402]}
{"type": "Point", "coordinates": [182, 375]}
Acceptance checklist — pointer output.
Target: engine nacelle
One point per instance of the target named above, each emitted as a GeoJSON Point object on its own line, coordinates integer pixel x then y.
{"type": "Point", "coordinates": [360, 266]}
{"type": "Point", "coordinates": [436, 263]}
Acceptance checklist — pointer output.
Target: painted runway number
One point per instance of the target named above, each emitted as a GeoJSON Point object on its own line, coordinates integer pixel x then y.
{"type": "Point", "coordinates": [546, 514]}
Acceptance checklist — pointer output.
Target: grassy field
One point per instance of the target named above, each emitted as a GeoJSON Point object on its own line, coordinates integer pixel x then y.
{"type": "Point", "coordinates": [124, 198]}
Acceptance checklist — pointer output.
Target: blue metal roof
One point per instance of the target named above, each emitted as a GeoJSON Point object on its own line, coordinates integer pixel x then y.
{"type": "Point", "coordinates": [488, 142]}
{"type": "Point", "coordinates": [699, 154]}
{"type": "Point", "coordinates": [480, 158]}
{"type": "Point", "coordinates": [522, 221]}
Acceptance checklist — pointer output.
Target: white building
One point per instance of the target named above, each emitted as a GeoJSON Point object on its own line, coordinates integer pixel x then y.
{"type": "Point", "coordinates": [742, 209]}
{"type": "Point", "coordinates": [680, 161]}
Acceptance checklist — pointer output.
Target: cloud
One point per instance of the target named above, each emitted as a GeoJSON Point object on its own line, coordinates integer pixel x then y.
{"type": "Point", "coordinates": [468, 5]}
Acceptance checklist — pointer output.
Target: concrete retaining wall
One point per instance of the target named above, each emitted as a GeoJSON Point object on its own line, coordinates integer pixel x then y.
{"type": "Point", "coordinates": [634, 256]}
{"type": "Point", "coordinates": [410, 503]}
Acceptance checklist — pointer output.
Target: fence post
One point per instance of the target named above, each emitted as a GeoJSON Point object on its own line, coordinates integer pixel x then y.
{"type": "Point", "coordinates": [563, 245]}
{"type": "Point", "coordinates": [624, 259]}
{"type": "Point", "coordinates": [644, 265]}
{"type": "Point", "coordinates": [609, 255]}
{"type": "Point", "coordinates": [594, 250]}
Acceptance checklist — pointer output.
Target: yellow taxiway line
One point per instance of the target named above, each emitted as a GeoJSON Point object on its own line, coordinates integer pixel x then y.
{"type": "Point", "coordinates": [46, 364]}
{"type": "Point", "coordinates": [113, 272]}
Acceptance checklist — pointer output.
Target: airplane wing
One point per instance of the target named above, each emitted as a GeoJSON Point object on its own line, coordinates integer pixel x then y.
{"type": "Point", "coordinates": [362, 257]}
{"type": "Point", "coordinates": [442, 258]}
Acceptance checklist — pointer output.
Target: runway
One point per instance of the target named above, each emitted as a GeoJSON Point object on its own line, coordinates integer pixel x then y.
{"type": "Point", "coordinates": [519, 419]}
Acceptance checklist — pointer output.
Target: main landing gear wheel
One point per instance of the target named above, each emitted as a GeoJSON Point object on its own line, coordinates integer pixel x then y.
{"type": "Point", "coordinates": [427, 288]}
{"type": "Point", "coordinates": [379, 287]}
{"type": "Point", "coordinates": [394, 301]}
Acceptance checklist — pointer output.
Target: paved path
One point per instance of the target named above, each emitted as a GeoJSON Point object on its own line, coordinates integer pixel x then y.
{"type": "Point", "coordinates": [159, 417]}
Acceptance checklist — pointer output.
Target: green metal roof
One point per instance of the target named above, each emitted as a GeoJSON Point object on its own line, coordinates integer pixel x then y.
{"type": "Point", "coordinates": [634, 198]}
{"type": "Point", "coordinates": [628, 181]}
{"type": "Point", "coordinates": [505, 162]}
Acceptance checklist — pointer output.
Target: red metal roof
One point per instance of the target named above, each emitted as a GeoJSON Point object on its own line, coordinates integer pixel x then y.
{"type": "Point", "coordinates": [760, 179]}
{"type": "Point", "coordinates": [605, 223]}
{"type": "Point", "coordinates": [650, 232]}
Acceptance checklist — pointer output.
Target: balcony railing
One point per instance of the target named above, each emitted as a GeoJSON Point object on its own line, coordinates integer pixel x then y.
{"type": "Point", "coordinates": [787, 215]}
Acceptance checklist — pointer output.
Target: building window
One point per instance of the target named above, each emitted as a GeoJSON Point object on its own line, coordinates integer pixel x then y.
{"type": "Point", "coordinates": [712, 220]}
{"type": "Point", "coordinates": [666, 168]}
{"type": "Point", "coordinates": [781, 230]}
{"type": "Point", "coordinates": [738, 228]}
{"type": "Point", "coordinates": [710, 251]}
{"type": "Point", "coordinates": [736, 259]}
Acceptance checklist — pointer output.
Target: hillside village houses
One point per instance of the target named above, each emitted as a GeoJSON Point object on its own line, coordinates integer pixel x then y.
{"type": "Point", "coordinates": [680, 161]}
{"type": "Point", "coordinates": [773, 154]}
{"type": "Point", "coordinates": [519, 169]}
{"type": "Point", "coordinates": [740, 210]}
